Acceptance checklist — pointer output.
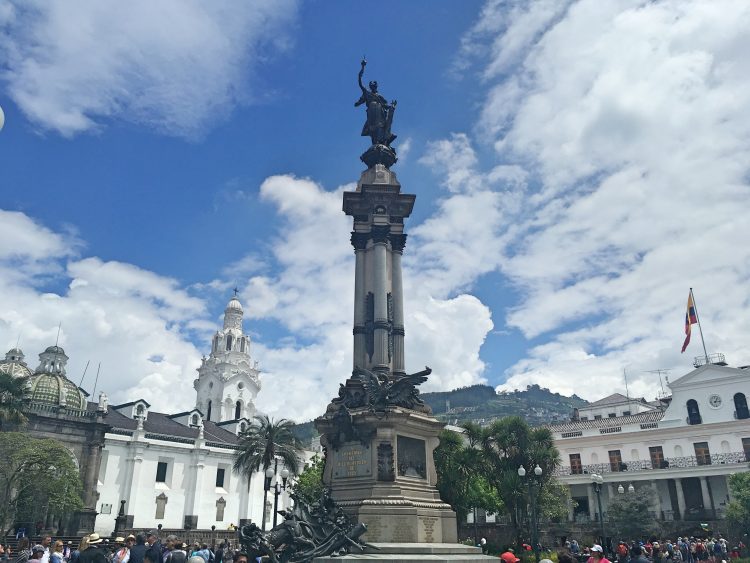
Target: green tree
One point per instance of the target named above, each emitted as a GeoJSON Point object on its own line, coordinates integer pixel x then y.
{"type": "Point", "coordinates": [461, 480]}
{"type": "Point", "coordinates": [630, 516]}
{"type": "Point", "coordinates": [309, 485]}
{"type": "Point", "coordinates": [11, 400]}
{"type": "Point", "coordinates": [265, 440]}
{"type": "Point", "coordinates": [738, 510]}
{"type": "Point", "coordinates": [510, 443]}
{"type": "Point", "coordinates": [37, 476]}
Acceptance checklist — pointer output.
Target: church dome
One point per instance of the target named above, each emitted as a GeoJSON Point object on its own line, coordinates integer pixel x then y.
{"type": "Point", "coordinates": [54, 389]}
{"type": "Point", "coordinates": [234, 305]}
{"type": "Point", "coordinates": [14, 365]}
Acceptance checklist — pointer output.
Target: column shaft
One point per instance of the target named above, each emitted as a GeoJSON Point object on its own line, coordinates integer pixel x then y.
{"type": "Point", "coordinates": [380, 357]}
{"type": "Point", "coordinates": [360, 343]}
{"type": "Point", "coordinates": [398, 313]}
{"type": "Point", "coordinates": [680, 499]}
{"type": "Point", "coordinates": [707, 504]}
{"type": "Point", "coordinates": [592, 501]}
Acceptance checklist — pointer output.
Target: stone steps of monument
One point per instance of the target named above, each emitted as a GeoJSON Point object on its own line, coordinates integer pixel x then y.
{"type": "Point", "coordinates": [407, 552]}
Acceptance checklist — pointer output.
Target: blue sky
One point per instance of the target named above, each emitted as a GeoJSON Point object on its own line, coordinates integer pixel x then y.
{"type": "Point", "coordinates": [154, 158]}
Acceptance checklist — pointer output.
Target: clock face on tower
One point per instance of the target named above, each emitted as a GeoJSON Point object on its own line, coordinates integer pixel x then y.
{"type": "Point", "coordinates": [714, 401]}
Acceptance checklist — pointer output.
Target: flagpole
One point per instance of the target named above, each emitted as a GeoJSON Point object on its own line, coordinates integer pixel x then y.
{"type": "Point", "coordinates": [697, 318]}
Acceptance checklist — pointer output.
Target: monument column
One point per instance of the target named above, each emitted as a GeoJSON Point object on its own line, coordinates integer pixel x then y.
{"type": "Point", "coordinates": [397, 244]}
{"type": "Point", "coordinates": [359, 242]}
{"type": "Point", "coordinates": [380, 359]}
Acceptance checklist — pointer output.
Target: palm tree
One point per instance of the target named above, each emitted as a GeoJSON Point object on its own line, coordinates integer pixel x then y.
{"type": "Point", "coordinates": [261, 444]}
{"type": "Point", "coordinates": [11, 400]}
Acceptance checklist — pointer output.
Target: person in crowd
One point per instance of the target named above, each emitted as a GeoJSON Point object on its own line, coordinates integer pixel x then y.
{"type": "Point", "coordinates": [76, 555]}
{"type": "Point", "coordinates": [24, 552]}
{"type": "Point", "coordinates": [507, 557]}
{"type": "Point", "coordinates": [597, 555]}
{"type": "Point", "coordinates": [56, 556]}
{"type": "Point", "coordinates": [154, 549]}
{"type": "Point", "coordinates": [68, 550]}
{"type": "Point", "coordinates": [240, 557]}
{"type": "Point", "coordinates": [566, 557]}
{"type": "Point", "coordinates": [46, 542]}
{"type": "Point", "coordinates": [37, 552]}
{"type": "Point", "coordinates": [178, 554]}
{"type": "Point", "coordinates": [138, 551]}
{"type": "Point", "coordinates": [94, 553]}
{"type": "Point", "coordinates": [122, 552]}
{"type": "Point", "coordinates": [204, 553]}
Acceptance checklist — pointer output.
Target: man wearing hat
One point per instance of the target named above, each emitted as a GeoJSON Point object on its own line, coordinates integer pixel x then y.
{"type": "Point", "coordinates": [37, 552]}
{"type": "Point", "coordinates": [509, 557]}
{"type": "Point", "coordinates": [94, 552]}
{"type": "Point", "coordinates": [122, 555]}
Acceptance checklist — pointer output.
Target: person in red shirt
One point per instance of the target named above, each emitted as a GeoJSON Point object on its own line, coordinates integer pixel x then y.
{"type": "Point", "coordinates": [597, 555]}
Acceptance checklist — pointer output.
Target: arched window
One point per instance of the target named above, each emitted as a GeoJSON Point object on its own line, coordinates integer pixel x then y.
{"type": "Point", "coordinates": [242, 345]}
{"type": "Point", "coordinates": [694, 413]}
{"type": "Point", "coordinates": [242, 426]}
{"type": "Point", "coordinates": [139, 410]}
{"type": "Point", "coordinates": [740, 406]}
{"type": "Point", "coordinates": [208, 411]}
{"type": "Point", "coordinates": [195, 420]}
{"type": "Point", "coordinates": [216, 343]}
{"type": "Point", "coordinates": [229, 342]}
{"type": "Point", "coordinates": [237, 409]}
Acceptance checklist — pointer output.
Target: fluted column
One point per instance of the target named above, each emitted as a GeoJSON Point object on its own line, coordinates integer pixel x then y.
{"type": "Point", "coordinates": [397, 291]}
{"type": "Point", "coordinates": [380, 293]}
{"type": "Point", "coordinates": [359, 242]}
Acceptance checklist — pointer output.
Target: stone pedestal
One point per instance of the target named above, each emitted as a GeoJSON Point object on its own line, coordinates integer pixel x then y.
{"type": "Point", "coordinates": [414, 552]}
{"type": "Point", "coordinates": [381, 471]}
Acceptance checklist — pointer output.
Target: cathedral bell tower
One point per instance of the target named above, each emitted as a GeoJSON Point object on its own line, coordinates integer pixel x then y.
{"type": "Point", "coordinates": [228, 380]}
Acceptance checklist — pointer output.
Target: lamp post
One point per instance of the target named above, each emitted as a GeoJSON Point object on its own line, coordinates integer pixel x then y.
{"type": "Point", "coordinates": [532, 502]}
{"type": "Point", "coordinates": [270, 474]}
{"type": "Point", "coordinates": [597, 480]}
{"type": "Point", "coordinates": [621, 489]}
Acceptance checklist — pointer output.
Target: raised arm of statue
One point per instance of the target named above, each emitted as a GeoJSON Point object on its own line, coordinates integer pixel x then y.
{"type": "Point", "coordinates": [361, 73]}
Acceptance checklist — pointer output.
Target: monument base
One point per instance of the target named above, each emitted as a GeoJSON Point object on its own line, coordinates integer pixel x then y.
{"type": "Point", "coordinates": [415, 552]}
{"type": "Point", "coordinates": [380, 470]}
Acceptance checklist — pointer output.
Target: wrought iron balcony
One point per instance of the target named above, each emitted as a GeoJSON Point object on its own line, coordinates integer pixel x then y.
{"type": "Point", "coordinates": [717, 358]}
{"type": "Point", "coordinates": [646, 465]}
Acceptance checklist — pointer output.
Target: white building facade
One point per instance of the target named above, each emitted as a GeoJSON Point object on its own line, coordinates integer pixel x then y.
{"type": "Point", "coordinates": [176, 469]}
{"type": "Point", "coordinates": [683, 449]}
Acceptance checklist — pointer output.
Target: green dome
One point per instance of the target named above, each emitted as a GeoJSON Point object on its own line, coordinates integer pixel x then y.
{"type": "Point", "coordinates": [54, 389]}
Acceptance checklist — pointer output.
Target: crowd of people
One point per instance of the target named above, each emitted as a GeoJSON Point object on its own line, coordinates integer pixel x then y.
{"type": "Point", "coordinates": [683, 550]}
{"type": "Point", "coordinates": [144, 547]}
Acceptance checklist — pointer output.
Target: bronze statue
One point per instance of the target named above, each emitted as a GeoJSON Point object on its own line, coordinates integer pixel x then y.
{"type": "Point", "coordinates": [379, 112]}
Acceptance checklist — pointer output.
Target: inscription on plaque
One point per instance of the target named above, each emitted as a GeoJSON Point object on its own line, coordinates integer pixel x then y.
{"type": "Point", "coordinates": [411, 457]}
{"type": "Point", "coordinates": [352, 461]}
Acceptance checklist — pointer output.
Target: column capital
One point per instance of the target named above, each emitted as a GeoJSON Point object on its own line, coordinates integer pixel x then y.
{"type": "Point", "coordinates": [379, 233]}
{"type": "Point", "coordinates": [398, 242]}
{"type": "Point", "coordinates": [359, 240]}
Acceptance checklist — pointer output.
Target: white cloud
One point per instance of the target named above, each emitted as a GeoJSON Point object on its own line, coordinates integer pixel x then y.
{"type": "Point", "coordinates": [114, 313]}
{"type": "Point", "coordinates": [175, 66]}
{"type": "Point", "coordinates": [634, 119]}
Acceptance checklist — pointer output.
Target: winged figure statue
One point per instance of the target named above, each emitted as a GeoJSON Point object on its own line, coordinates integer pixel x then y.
{"type": "Point", "coordinates": [383, 392]}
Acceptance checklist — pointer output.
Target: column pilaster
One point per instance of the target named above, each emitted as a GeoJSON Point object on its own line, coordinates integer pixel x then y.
{"type": "Point", "coordinates": [592, 501]}
{"type": "Point", "coordinates": [680, 499]}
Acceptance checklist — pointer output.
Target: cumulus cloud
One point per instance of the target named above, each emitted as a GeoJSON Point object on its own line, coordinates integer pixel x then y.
{"type": "Point", "coordinates": [136, 323]}
{"type": "Point", "coordinates": [174, 66]}
{"type": "Point", "coordinates": [632, 122]}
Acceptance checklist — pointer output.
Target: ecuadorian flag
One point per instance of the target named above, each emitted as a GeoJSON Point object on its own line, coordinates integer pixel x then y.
{"type": "Point", "coordinates": [690, 319]}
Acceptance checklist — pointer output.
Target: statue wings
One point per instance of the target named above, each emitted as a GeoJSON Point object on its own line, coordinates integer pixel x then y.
{"type": "Point", "coordinates": [382, 392]}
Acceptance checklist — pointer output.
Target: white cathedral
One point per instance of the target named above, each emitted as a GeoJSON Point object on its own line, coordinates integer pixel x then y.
{"type": "Point", "coordinates": [150, 467]}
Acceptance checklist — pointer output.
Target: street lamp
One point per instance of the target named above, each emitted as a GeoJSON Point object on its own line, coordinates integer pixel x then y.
{"type": "Point", "coordinates": [532, 502]}
{"type": "Point", "coordinates": [621, 489]}
{"type": "Point", "coordinates": [597, 480]}
{"type": "Point", "coordinates": [270, 474]}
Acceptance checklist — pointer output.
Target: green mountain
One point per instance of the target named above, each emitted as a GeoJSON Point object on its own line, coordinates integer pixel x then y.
{"type": "Point", "coordinates": [481, 404]}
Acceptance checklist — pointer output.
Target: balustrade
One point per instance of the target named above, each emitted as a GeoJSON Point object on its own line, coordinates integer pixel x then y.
{"type": "Point", "coordinates": [646, 465]}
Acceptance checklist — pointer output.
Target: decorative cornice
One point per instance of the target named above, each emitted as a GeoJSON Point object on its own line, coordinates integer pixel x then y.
{"type": "Point", "coordinates": [359, 240]}
{"type": "Point", "coordinates": [398, 330]}
{"type": "Point", "coordinates": [359, 330]}
{"type": "Point", "coordinates": [379, 233]}
{"type": "Point", "coordinates": [398, 242]}
{"type": "Point", "coordinates": [381, 325]}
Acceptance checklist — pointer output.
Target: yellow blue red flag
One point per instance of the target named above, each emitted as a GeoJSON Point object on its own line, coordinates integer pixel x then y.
{"type": "Point", "coordinates": [690, 319]}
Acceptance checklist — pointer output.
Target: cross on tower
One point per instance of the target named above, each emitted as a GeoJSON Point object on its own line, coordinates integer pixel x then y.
{"type": "Point", "coordinates": [236, 291]}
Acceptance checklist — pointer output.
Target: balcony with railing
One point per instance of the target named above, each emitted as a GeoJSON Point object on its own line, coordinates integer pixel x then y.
{"type": "Point", "coordinates": [647, 465]}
